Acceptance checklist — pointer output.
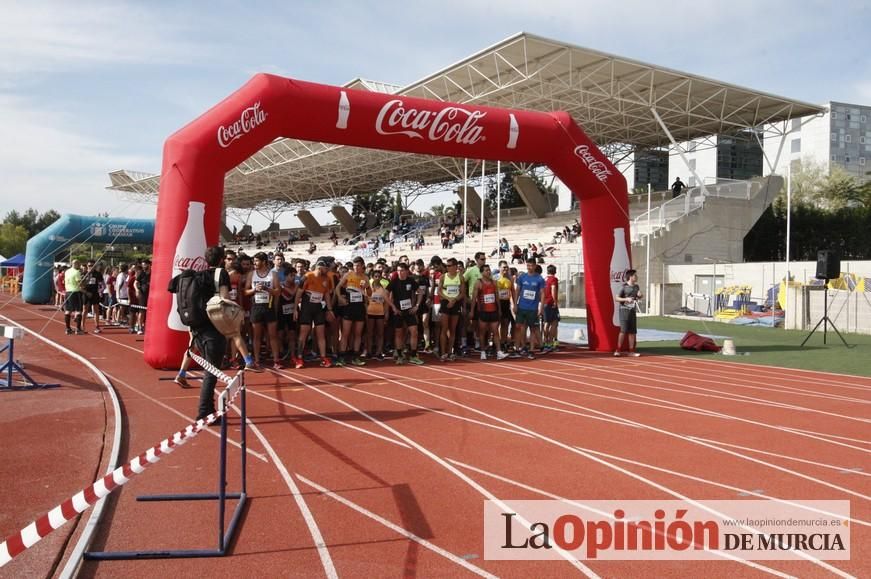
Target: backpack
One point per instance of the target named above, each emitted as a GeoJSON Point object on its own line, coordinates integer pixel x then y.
{"type": "Point", "coordinates": [693, 341]}
{"type": "Point", "coordinates": [191, 305]}
{"type": "Point", "coordinates": [226, 315]}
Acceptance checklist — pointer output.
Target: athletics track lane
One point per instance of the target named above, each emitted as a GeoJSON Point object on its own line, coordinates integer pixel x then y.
{"type": "Point", "coordinates": [427, 493]}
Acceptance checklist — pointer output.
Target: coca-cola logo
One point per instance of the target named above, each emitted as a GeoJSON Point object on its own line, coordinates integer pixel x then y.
{"type": "Point", "coordinates": [248, 121]}
{"type": "Point", "coordinates": [598, 168]}
{"type": "Point", "coordinates": [618, 276]}
{"type": "Point", "coordinates": [451, 124]}
{"type": "Point", "coordinates": [195, 263]}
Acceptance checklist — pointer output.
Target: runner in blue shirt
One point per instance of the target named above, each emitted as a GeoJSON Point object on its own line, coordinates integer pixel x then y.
{"type": "Point", "coordinates": [529, 309]}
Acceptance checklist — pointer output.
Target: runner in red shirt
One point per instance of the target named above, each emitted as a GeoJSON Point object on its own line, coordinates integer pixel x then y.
{"type": "Point", "coordinates": [485, 302]}
{"type": "Point", "coordinates": [551, 310]}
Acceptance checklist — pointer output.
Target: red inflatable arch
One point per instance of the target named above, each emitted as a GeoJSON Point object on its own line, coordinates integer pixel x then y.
{"type": "Point", "coordinates": [196, 158]}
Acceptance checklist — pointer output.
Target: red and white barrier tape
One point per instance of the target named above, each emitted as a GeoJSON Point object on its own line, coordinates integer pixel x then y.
{"type": "Point", "coordinates": [119, 305]}
{"type": "Point", "coordinates": [210, 368]}
{"type": "Point", "coordinates": [84, 499]}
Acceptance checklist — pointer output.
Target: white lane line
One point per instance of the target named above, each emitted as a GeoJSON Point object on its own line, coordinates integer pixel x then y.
{"type": "Point", "coordinates": [769, 370]}
{"type": "Point", "coordinates": [808, 434]}
{"type": "Point", "coordinates": [96, 515]}
{"type": "Point", "coordinates": [441, 412]}
{"type": "Point", "coordinates": [183, 415]}
{"type": "Point", "coordinates": [743, 492]}
{"type": "Point", "coordinates": [725, 396]}
{"type": "Point", "coordinates": [438, 460]}
{"type": "Point", "coordinates": [826, 434]}
{"type": "Point", "coordinates": [840, 469]}
{"type": "Point", "coordinates": [580, 505]}
{"type": "Point", "coordinates": [333, 420]}
{"type": "Point", "coordinates": [314, 531]}
{"type": "Point", "coordinates": [672, 368]}
{"type": "Point", "coordinates": [396, 528]}
{"type": "Point", "coordinates": [605, 463]}
{"type": "Point", "coordinates": [639, 424]}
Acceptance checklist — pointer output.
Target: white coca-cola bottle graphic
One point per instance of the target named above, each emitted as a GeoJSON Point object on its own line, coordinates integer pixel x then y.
{"type": "Point", "coordinates": [344, 111]}
{"type": "Point", "coordinates": [619, 265]}
{"type": "Point", "coordinates": [513, 131]}
{"type": "Point", "coordinates": [189, 254]}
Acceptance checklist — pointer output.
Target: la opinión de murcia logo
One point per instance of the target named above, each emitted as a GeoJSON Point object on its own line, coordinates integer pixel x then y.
{"type": "Point", "coordinates": [195, 263]}
{"type": "Point", "coordinates": [451, 124]}
{"type": "Point", "coordinates": [598, 168]}
{"type": "Point", "coordinates": [248, 121]}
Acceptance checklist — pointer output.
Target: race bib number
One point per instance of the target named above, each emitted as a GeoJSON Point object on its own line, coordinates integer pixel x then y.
{"type": "Point", "coordinates": [355, 297]}
{"type": "Point", "coordinates": [452, 291]}
{"type": "Point", "coordinates": [504, 294]}
{"type": "Point", "coordinates": [377, 299]}
{"type": "Point", "coordinates": [315, 297]}
{"type": "Point", "coordinates": [529, 294]}
{"type": "Point", "coordinates": [489, 298]}
{"type": "Point", "coordinates": [404, 304]}
{"type": "Point", "coordinates": [287, 309]}
{"type": "Point", "coordinates": [234, 293]}
{"type": "Point", "coordinates": [261, 298]}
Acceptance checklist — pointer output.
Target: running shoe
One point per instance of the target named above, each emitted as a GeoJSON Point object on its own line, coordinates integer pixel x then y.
{"type": "Point", "coordinates": [379, 357]}
{"type": "Point", "coordinates": [415, 360]}
{"type": "Point", "coordinates": [182, 381]}
{"type": "Point", "coordinates": [140, 332]}
{"type": "Point", "coordinates": [253, 367]}
{"type": "Point", "coordinates": [483, 355]}
{"type": "Point", "coordinates": [278, 365]}
{"type": "Point", "coordinates": [452, 357]}
{"type": "Point", "coordinates": [326, 362]}
{"type": "Point", "coordinates": [69, 331]}
{"type": "Point", "coordinates": [443, 358]}
{"type": "Point", "coordinates": [634, 354]}
{"type": "Point", "coordinates": [358, 361]}
{"type": "Point", "coordinates": [97, 330]}
{"type": "Point", "coordinates": [500, 355]}
{"type": "Point", "coordinates": [617, 354]}
{"type": "Point", "coordinates": [529, 355]}
{"type": "Point", "coordinates": [297, 363]}
{"type": "Point", "coordinates": [400, 360]}
{"type": "Point", "coordinates": [81, 332]}
{"type": "Point", "coordinates": [339, 363]}
{"type": "Point", "coordinates": [514, 355]}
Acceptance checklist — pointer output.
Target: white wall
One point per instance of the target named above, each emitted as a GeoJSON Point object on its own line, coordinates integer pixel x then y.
{"type": "Point", "coordinates": [760, 276]}
{"type": "Point", "coordinates": [705, 157]}
{"type": "Point", "coordinates": [815, 135]}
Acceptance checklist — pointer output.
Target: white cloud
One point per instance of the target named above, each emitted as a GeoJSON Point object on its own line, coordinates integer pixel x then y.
{"type": "Point", "coordinates": [47, 165]}
{"type": "Point", "coordinates": [51, 36]}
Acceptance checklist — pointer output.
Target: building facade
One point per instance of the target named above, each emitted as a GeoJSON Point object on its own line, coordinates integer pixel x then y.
{"type": "Point", "coordinates": [840, 137]}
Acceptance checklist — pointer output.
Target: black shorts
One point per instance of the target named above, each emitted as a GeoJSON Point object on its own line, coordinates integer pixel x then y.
{"type": "Point", "coordinates": [340, 311]}
{"type": "Point", "coordinates": [405, 319]}
{"type": "Point", "coordinates": [262, 314]}
{"type": "Point", "coordinates": [355, 312]}
{"type": "Point", "coordinates": [73, 302]}
{"type": "Point", "coordinates": [551, 314]}
{"type": "Point", "coordinates": [91, 298]}
{"type": "Point", "coordinates": [312, 314]}
{"type": "Point", "coordinates": [446, 311]}
{"type": "Point", "coordinates": [285, 316]}
{"type": "Point", "coordinates": [143, 301]}
{"type": "Point", "coordinates": [628, 321]}
{"type": "Point", "coordinates": [506, 310]}
{"type": "Point", "coordinates": [487, 317]}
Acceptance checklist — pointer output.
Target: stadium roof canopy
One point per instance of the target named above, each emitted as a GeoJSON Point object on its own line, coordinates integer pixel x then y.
{"type": "Point", "coordinates": [622, 104]}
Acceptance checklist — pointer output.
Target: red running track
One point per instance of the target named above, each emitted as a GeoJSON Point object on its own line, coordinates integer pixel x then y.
{"type": "Point", "coordinates": [389, 466]}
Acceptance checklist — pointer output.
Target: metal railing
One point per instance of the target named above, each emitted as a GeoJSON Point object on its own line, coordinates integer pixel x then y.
{"type": "Point", "coordinates": [661, 217]}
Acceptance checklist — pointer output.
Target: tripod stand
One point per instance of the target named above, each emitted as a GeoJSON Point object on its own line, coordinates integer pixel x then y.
{"type": "Point", "coordinates": [825, 320]}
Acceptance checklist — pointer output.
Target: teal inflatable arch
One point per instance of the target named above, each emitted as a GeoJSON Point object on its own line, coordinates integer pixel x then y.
{"type": "Point", "coordinates": [42, 248]}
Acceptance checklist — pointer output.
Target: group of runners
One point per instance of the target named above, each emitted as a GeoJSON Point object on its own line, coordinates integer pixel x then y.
{"type": "Point", "coordinates": [347, 313]}
{"type": "Point", "coordinates": [108, 295]}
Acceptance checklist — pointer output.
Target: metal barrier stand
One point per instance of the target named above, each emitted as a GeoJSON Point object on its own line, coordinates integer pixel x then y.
{"type": "Point", "coordinates": [11, 366]}
{"type": "Point", "coordinates": [225, 538]}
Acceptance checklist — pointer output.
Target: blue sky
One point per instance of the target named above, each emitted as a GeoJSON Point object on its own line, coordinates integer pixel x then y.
{"type": "Point", "coordinates": [90, 87]}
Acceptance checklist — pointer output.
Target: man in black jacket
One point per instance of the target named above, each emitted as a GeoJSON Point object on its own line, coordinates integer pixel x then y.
{"type": "Point", "coordinates": [208, 340]}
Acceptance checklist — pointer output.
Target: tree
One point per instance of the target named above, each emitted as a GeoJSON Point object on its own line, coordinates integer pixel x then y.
{"type": "Point", "coordinates": [510, 197]}
{"type": "Point", "coordinates": [372, 209]}
{"type": "Point", "coordinates": [31, 220]}
{"type": "Point", "coordinates": [13, 239]}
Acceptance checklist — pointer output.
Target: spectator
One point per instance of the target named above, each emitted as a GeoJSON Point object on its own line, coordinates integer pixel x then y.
{"type": "Point", "coordinates": [677, 187]}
